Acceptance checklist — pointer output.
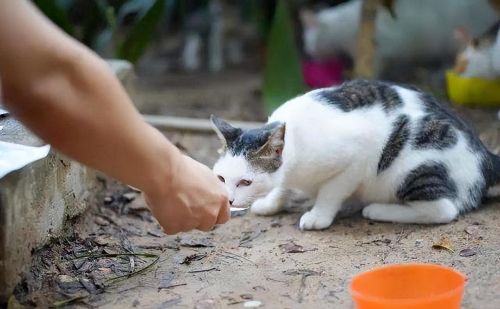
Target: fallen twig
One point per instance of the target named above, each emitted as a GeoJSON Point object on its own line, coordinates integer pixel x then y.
{"type": "Point", "coordinates": [68, 301]}
{"type": "Point", "coordinates": [236, 256]}
{"type": "Point", "coordinates": [171, 286]}
{"type": "Point", "coordinates": [202, 270]}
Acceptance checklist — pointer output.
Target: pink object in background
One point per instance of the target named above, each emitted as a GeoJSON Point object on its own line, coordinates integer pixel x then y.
{"type": "Point", "coordinates": [318, 74]}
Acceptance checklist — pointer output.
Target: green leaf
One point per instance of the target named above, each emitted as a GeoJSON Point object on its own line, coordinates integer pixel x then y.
{"type": "Point", "coordinates": [282, 74]}
{"type": "Point", "coordinates": [55, 13]}
{"type": "Point", "coordinates": [134, 6]}
{"type": "Point", "coordinates": [140, 35]}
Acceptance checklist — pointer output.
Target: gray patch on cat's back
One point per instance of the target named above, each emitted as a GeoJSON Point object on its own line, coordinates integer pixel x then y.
{"type": "Point", "coordinates": [490, 168]}
{"type": "Point", "coordinates": [428, 182]}
{"type": "Point", "coordinates": [356, 94]}
{"type": "Point", "coordinates": [433, 107]}
{"type": "Point", "coordinates": [397, 140]}
{"type": "Point", "coordinates": [434, 132]}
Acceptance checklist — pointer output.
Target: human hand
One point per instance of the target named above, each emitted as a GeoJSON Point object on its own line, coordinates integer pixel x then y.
{"type": "Point", "coordinates": [193, 198]}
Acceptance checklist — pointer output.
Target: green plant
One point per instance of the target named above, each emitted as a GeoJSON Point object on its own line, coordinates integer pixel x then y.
{"type": "Point", "coordinates": [140, 35]}
{"type": "Point", "coordinates": [121, 28]}
{"type": "Point", "coordinates": [282, 73]}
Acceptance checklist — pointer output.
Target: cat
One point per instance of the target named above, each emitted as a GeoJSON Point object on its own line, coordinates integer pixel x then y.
{"type": "Point", "coordinates": [395, 148]}
{"type": "Point", "coordinates": [421, 31]}
{"type": "Point", "coordinates": [480, 56]}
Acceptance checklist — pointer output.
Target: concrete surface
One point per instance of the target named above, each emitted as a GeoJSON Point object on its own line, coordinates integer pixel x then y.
{"type": "Point", "coordinates": [37, 200]}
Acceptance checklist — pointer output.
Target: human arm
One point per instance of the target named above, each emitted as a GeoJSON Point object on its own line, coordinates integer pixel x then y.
{"type": "Point", "coordinates": [69, 97]}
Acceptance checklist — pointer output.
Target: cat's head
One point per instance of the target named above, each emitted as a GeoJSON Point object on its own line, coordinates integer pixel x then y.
{"type": "Point", "coordinates": [249, 158]}
{"type": "Point", "coordinates": [475, 55]}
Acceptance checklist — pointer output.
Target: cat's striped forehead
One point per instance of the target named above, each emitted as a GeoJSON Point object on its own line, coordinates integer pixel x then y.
{"type": "Point", "coordinates": [250, 140]}
{"type": "Point", "coordinates": [260, 147]}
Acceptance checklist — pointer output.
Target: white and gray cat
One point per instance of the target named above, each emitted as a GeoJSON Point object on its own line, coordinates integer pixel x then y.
{"type": "Point", "coordinates": [396, 149]}
{"type": "Point", "coordinates": [480, 55]}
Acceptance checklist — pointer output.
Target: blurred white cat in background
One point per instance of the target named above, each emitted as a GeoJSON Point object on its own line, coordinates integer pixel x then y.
{"type": "Point", "coordinates": [480, 55]}
{"type": "Point", "coordinates": [421, 30]}
{"type": "Point", "coordinates": [424, 30]}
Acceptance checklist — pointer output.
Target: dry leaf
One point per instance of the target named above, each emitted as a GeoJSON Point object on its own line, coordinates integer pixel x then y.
{"type": "Point", "coordinates": [138, 204]}
{"type": "Point", "coordinates": [129, 196]}
{"type": "Point", "coordinates": [275, 223]}
{"type": "Point", "coordinates": [102, 240]}
{"type": "Point", "coordinates": [292, 247]}
{"type": "Point", "coordinates": [104, 270]}
{"type": "Point", "coordinates": [101, 221]}
{"type": "Point", "coordinates": [193, 257]}
{"type": "Point", "coordinates": [443, 244]}
{"type": "Point", "coordinates": [472, 230]}
{"type": "Point", "coordinates": [156, 233]}
{"type": "Point", "coordinates": [467, 252]}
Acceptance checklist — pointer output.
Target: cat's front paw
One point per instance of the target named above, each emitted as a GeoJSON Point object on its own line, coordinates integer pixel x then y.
{"type": "Point", "coordinates": [263, 207]}
{"type": "Point", "coordinates": [374, 212]}
{"type": "Point", "coordinates": [315, 221]}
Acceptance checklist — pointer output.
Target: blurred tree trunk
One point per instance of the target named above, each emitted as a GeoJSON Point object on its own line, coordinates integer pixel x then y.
{"type": "Point", "coordinates": [364, 64]}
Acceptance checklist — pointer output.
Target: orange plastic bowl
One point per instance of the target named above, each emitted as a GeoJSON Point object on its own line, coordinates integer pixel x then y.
{"type": "Point", "coordinates": [408, 286]}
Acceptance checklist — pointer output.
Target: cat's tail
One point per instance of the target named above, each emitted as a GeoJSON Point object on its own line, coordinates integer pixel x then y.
{"type": "Point", "coordinates": [493, 176]}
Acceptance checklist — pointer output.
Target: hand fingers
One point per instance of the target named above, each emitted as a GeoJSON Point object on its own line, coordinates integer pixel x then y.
{"type": "Point", "coordinates": [224, 215]}
{"type": "Point", "coordinates": [172, 229]}
{"type": "Point", "coordinates": [208, 223]}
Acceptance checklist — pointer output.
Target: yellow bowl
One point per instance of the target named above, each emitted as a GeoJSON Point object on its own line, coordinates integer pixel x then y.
{"type": "Point", "coordinates": [473, 92]}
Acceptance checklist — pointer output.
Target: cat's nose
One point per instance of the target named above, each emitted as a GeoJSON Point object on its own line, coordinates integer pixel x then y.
{"type": "Point", "coordinates": [231, 202]}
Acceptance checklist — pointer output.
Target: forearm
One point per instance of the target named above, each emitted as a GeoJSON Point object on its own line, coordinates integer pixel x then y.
{"type": "Point", "coordinates": [70, 98]}
{"type": "Point", "coordinates": [93, 122]}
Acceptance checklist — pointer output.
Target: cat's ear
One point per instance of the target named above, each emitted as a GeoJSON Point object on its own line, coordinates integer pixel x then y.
{"type": "Point", "coordinates": [275, 143]}
{"type": "Point", "coordinates": [226, 133]}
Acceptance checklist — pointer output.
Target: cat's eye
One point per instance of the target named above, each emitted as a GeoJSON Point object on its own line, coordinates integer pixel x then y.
{"type": "Point", "coordinates": [221, 178]}
{"type": "Point", "coordinates": [244, 183]}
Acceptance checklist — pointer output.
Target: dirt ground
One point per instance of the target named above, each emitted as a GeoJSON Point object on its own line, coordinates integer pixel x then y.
{"type": "Point", "coordinates": [251, 261]}
{"type": "Point", "coordinates": [266, 259]}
